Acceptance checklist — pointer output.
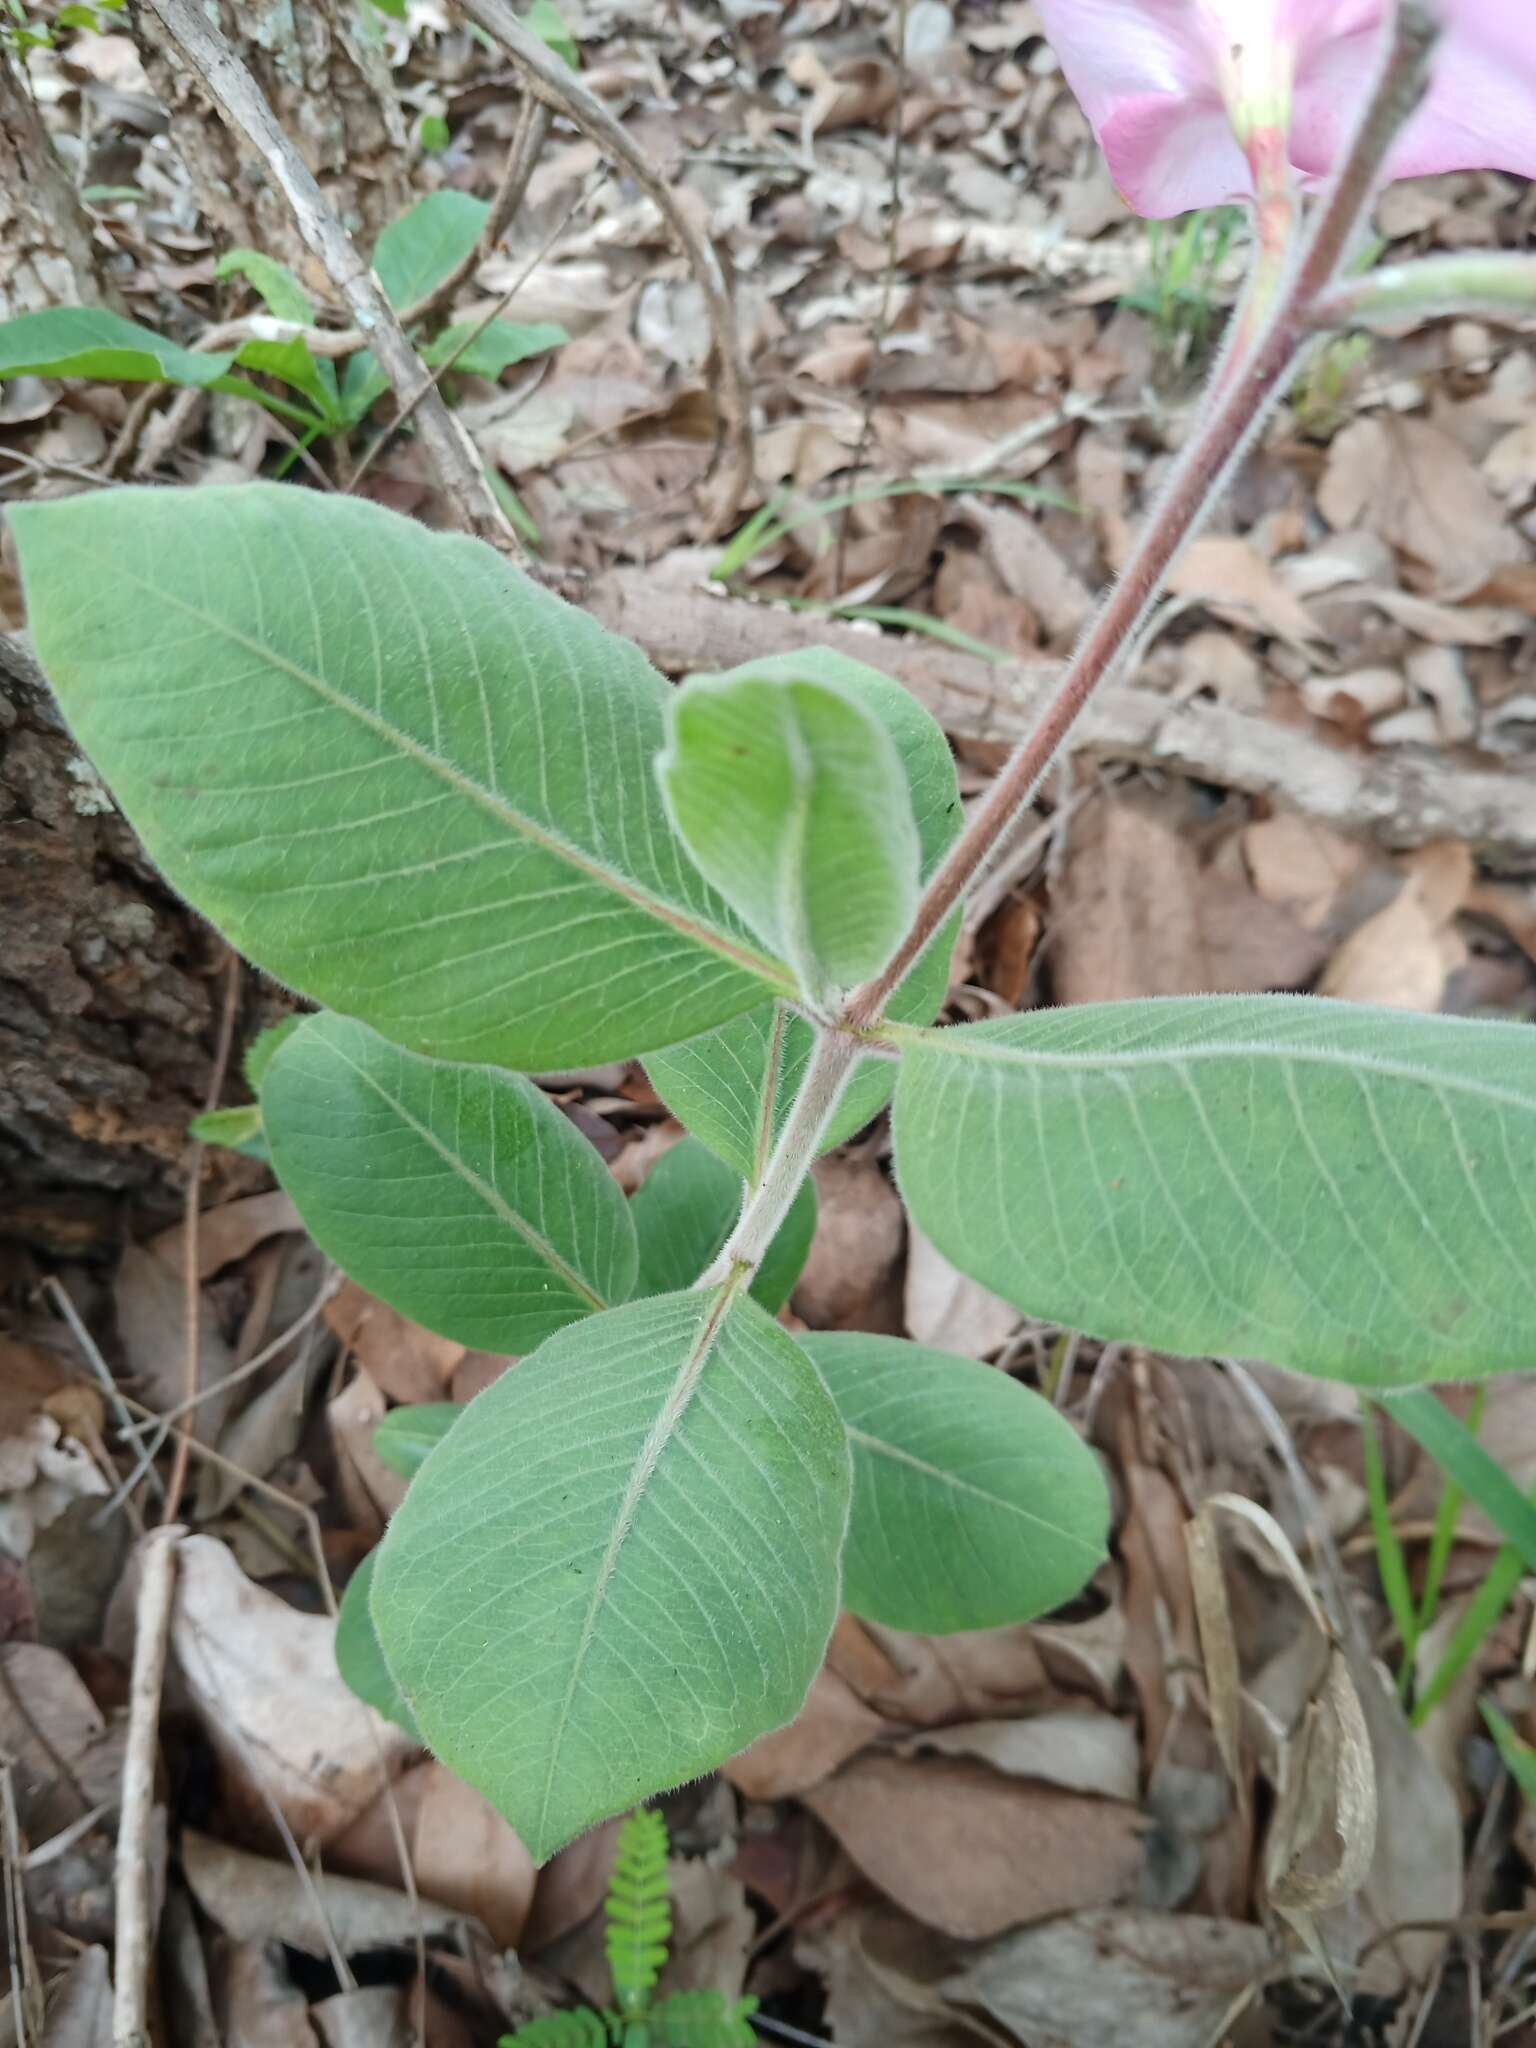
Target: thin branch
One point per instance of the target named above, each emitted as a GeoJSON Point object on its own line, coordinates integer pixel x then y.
{"type": "Point", "coordinates": [1198, 479]}
{"type": "Point", "coordinates": [133, 1877]}
{"type": "Point", "coordinates": [552, 80]}
{"type": "Point", "coordinates": [191, 1294]}
{"type": "Point", "coordinates": [240, 100]}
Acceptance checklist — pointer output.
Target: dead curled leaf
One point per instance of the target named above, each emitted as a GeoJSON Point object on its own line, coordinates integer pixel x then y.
{"type": "Point", "coordinates": [257, 1898]}
{"type": "Point", "coordinates": [1322, 1837]}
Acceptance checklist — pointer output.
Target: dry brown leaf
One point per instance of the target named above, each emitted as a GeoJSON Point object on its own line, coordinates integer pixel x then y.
{"type": "Point", "coordinates": [1081, 1752]}
{"type": "Point", "coordinates": [971, 1852]}
{"type": "Point", "coordinates": [1299, 866]}
{"type": "Point", "coordinates": [229, 1231]}
{"type": "Point", "coordinates": [570, 1887]}
{"type": "Point", "coordinates": [46, 1715]}
{"type": "Point", "coordinates": [946, 1308]}
{"type": "Point", "coordinates": [263, 1680]}
{"type": "Point", "coordinates": [1028, 566]}
{"type": "Point", "coordinates": [833, 1725]}
{"type": "Point", "coordinates": [256, 1999]}
{"type": "Point", "coordinates": [371, 1489]}
{"type": "Point", "coordinates": [79, 2013]}
{"type": "Point", "coordinates": [881, 1974]}
{"type": "Point", "coordinates": [850, 1278]}
{"type": "Point", "coordinates": [1138, 915]}
{"type": "Point", "coordinates": [258, 1899]}
{"type": "Point", "coordinates": [1232, 579]}
{"type": "Point", "coordinates": [406, 1361]}
{"type": "Point", "coordinates": [975, 1675]}
{"type": "Point", "coordinates": [373, 2016]}
{"type": "Point", "coordinates": [1403, 956]}
{"type": "Point", "coordinates": [712, 1929]}
{"type": "Point", "coordinates": [1409, 482]}
{"type": "Point", "coordinates": [1136, 1978]}
{"type": "Point", "coordinates": [151, 1311]}
{"type": "Point", "coordinates": [468, 1857]}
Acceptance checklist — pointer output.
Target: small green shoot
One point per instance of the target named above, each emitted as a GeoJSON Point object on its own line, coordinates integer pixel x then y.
{"type": "Point", "coordinates": [638, 1910]}
{"type": "Point", "coordinates": [765, 527]}
{"type": "Point", "coordinates": [1179, 291]}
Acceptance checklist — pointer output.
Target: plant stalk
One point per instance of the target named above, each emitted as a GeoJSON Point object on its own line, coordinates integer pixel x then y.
{"type": "Point", "coordinates": [1199, 477]}
{"type": "Point", "coordinates": [831, 1063]}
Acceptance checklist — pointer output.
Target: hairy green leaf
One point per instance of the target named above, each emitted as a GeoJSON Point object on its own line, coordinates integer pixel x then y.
{"type": "Point", "coordinates": [359, 1658]}
{"type": "Point", "coordinates": [458, 1194]}
{"type": "Point", "coordinates": [495, 348]}
{"type": "Point", "coordinates": [292, 362]}
{"type": "Point", "coordinates": [792, 799]}
{"type": "Point", "coordinates": [684, 1211]}
{"type": "Point", "coordinates": [88, 341]}
{"type": "Point", "coordinates": [974, 1503]}
{"type": "Point", "coordinates": [406, 1434]}
{"type": "Point", "coordinates": [1342, 1190]}
{"type": "Point", "coordinates": [733, 1086]}
{"type": "Point", "coordinates": [394, 771]}
{"type": "Point", "coordinates": [621, 1566]}
{"type": "Point", "coordinates": [239, 1129]}
{"type": "Point", "coordinates": [416, 252]}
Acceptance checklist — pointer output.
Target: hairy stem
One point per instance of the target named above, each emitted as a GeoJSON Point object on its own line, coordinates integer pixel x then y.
{"type": "Point", "coordinates": [1247, 387]}
{"type": "Point", "coordinates": [1200, 475]}
{"type": "Point", "coordinates": [831, 1062]}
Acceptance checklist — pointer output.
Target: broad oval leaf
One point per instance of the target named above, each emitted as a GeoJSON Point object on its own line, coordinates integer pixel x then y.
{"type": "Point", "coordinates": [621, 1566]}
{"type": "Point", "coordinates": [791, 797]}
{"type": "Point", "coordinates": [430, 240]}
{"type": "Point", "coordinates": [359, 1657]}
{"type": "Point", "coordinates": [975, 1503]}
{"type": "Point", "coordinates": [733, 1086]}
{"type": "Point", "coordinates": [409, 1432]}
{"type": "Point", "coordinates": [90, 341]}
{"type": "Point", "coordinates": [458, 1194]}
{"type": "Point", "coordinates": [684, 1211]}
{"type": "Point", "coordinates": [1343, 1190]}
{"type": "Point", "coordinates": [399, 775]}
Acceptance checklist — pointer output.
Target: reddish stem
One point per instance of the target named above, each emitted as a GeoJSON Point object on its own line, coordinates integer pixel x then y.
{"type": "Point", "coordinates": [1254, 384]}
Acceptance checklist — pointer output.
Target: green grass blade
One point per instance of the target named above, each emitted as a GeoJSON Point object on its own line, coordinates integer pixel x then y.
{"type": "Point", "coordinates": [1459, 1454]}
{"type": "Point", "coordinates": [1444, 1537]}
{"type": "Point", "coordinates": [1390, 1562]}
{"type": "Point", "coordinates": [1480, 1619]}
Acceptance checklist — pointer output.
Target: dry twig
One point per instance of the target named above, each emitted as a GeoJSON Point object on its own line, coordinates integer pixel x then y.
{"type": "Point", "coordinates": [133, 1877]}
{"type": "Point", "coordinates": [239, 99]}
{"type": "Point", "coordinates": [552, 81]}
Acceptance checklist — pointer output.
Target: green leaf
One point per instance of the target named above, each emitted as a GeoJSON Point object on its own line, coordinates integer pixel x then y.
{"type": "Point", "coordinates": [792, 799]}
{"type": "Point", "coordinates": [406, 1434]}
{"type": "Point", "coordinates": [1518, 1757]}
{"type": "Point", "coordinates": [262, 1050]}
{"type": "Point", "coordinates": [359, 1658]}
{"type": "Point", "coordinates": [416, 252]}
{"type": "Point", "coordinates": [363, 384]}
{"type": "Point", "coordinates": [395, 9]}
{"type": "Point", "coordinates": [279, 290]}
{"type": "Point", "coordinates": [292, 362]}
{"type": "Point", "coordinates": [622, 1567]}
{"type": "Point", "coordinates": [239, 1129]}
{"type": "Point", "coordinates": [497, 346]}
{"type": "Point", "coordinates": [733, 1087]}
{"type": "Point", "coordinates": [433, 133]}
{"type": "Point", "coordinates": [684, 1211]}
{"type": "Point", "coordinates": [548, 24]}
{"type": "Point", "coordinates": [458, 1194]}
{"type": "Point", "coordinates": [394, 771]}
{"type": "Point", "coordinates": [1338, 1189]}
{"type": "Point", "coordinates": [1462, 1458]}
{"type": "Point", "coordinates": [88, 341]}
{"type": "Point", "coordinates": [701, 2019]}
{"type": "Point", "coordinates": [975, 1504]}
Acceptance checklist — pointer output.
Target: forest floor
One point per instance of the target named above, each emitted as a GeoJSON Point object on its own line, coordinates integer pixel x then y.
{"type": "Point", "coordinates": [970, 368]}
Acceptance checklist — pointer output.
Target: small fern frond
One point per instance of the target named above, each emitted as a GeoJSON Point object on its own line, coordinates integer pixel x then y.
{"type": "Point", "coordinates": [702, 2019]}
{"type": "Point", "coordinates": [580, 2029]}
{"type": "Point", "coordinates": [639, 1910]}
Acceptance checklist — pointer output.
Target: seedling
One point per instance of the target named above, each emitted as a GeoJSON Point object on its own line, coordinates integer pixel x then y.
{"type": "Point", "coordinates": [639, 1914]}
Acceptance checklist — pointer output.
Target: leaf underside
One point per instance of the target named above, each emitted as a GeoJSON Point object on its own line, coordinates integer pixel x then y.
{"type": "Point", "coordinates": [459, 1194]}
{"type": "Point", "coordinates": [733, 1086]}
{"type": "Point", "coordinates": [395, 772]}
{"type": "Point", "coordinates": [620, 1566]}
{"type": "Point", "coordinates": [1342, 1190]}
{"type": "Point", "coordinates": [975, 1504]}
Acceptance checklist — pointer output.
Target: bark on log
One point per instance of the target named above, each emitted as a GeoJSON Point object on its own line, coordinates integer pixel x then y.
{"type": "Point", "coordinates": [109, 992]}
{"type": "Point", "coordinates": [48, 253]}
{"type": "Point", "coordinates": [329, 86]}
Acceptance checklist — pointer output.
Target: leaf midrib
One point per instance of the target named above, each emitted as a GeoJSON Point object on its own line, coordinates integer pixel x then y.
{"type": "Point", "coordinates": [488, 1193]}
{"type": "Point", "coordinates": [768, 970]}
{"type": "Point", "coordinates": [951, 1480]}
{"type": "Point", "coordinates": [1371, 1064]}
{"type": "Point", "coordinates": [668, 1420]}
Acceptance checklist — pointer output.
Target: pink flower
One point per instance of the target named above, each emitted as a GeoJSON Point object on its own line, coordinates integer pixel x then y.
{"type": "Point", "coordinates": [1182, 94]}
